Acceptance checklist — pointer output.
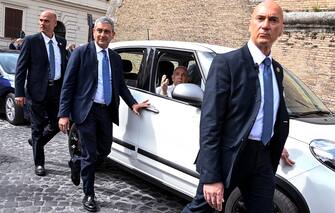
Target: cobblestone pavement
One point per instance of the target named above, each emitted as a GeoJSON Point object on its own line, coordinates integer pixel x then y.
{"type": "Point", "coordinates": [22, 191]}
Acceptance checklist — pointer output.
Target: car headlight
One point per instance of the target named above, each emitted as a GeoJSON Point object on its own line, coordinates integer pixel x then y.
{"type": "Point", "coordinates": [324, 151]}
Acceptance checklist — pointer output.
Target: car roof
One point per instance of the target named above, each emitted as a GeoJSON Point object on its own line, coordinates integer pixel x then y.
{"type": "Point", "coordinates": [172, 44]}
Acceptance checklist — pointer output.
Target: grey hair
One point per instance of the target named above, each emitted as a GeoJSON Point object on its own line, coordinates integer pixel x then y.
{"type": "Point", "coordinates": [104, 20]}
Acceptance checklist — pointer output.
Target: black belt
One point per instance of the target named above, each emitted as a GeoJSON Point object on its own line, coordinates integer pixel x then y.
{"type": "Point", "coordinates": [260, 143]}
{"type": "Point", "coordinates": [52, 82]}
{"type": "Point", "coordinates": [103, 106]}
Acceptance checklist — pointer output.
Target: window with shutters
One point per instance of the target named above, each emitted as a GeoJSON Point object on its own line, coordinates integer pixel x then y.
{"type": "Point", "coordinates": [13, 22]}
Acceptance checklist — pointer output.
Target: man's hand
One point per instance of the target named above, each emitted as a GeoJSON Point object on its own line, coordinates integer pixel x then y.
{"type": "Point", "coordinates": [64, 124]}
{"type": "Point", "coordinates": [20, 101]}
{"type": "Point", "coordinates": [164, 85]}
{"type": "Point", "coordinates": [137, 107]}
{"type": "Point", "coordinates": [213, 194]}
{"type": "Point", "coordinates": [285, 157]}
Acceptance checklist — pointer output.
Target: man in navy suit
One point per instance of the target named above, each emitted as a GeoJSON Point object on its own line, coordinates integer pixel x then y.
{"type": "Point", "coordinates": [244, 122]}
{"type": "Point", "coordinates": [41, 65]}
{"type": "Point", "coordinates": [90, 96]}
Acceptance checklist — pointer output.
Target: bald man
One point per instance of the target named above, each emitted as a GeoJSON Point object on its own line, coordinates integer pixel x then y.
{"type": "Point", "coordinates": [41, 66]}
{"type": "Point", "coordinates": [244, 122]}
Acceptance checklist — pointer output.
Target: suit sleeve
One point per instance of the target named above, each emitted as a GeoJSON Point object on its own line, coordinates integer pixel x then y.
{"type": "Point", "coordinates": [69, 84]}
{"type": "Point", "coordinates": [214, 107]}
{"type": "Point", "coordinates": [22, 67]}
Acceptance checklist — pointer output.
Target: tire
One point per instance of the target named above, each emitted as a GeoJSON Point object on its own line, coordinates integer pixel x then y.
{"type": "Point", "coordinates": [14, 113]}
{"type": "Point", "coordinates": [74, 142]}
{"type": "Point", "coordinates": [281, 203]}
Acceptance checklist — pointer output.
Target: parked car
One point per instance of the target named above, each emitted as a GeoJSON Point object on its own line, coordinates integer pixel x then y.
{"type": "Point", "coordinates": [162, 143]}
{"type": "Point", "coordinates": [14, 114]}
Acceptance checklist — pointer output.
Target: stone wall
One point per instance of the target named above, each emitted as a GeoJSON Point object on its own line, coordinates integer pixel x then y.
{"type": "Point", "coordinates": [307, 5]}
{"type": "Point", "coordinates": [308, 53]}
{"type": "Point", "coordinates": [207, 21]}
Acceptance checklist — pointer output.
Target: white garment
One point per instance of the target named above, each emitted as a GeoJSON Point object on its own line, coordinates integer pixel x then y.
{"type": "Point", "coordinates": [169, 90]}
{"type": "Point", "coordinates": [258, 57]}
{"type": "Point", "coordinates": [99, 95]}
{"type": "Point", "coordinates": [57, 54]}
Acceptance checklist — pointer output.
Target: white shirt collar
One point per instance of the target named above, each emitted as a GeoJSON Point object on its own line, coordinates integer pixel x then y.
{"type": "Point", "coordinates": [99, 49]}
{"type": "Point", "coordinates": [256, 53]}
{"type": "Point", "coordinates": [47, 39]}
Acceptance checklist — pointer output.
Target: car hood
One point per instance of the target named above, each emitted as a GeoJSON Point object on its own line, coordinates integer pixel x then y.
{"type": "Point", "coordinates": [309, 129]}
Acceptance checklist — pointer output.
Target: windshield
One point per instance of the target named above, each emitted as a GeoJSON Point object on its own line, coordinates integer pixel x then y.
{"type": "Point", "coordinates": [8, 62]}
{"type": "Point", "coordinates": [206, 59]}
{"type": "Point", "coordinates": [300, 100]}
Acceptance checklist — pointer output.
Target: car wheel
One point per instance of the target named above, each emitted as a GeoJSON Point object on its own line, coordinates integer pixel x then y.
{"type": "Point", "coordinates": [14, 113]}
{"type": "Point", "coordinates": [73, 141]}
{"type": "Point", "coordinates": [281, 203]}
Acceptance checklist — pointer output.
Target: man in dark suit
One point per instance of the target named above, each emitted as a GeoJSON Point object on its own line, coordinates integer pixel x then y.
{"type": "Point", "coordinates": [244, 122]}
{"type": "Point", "coordinates": [90, 96]}
{"type": "Point", "coordinates": [41, 66]}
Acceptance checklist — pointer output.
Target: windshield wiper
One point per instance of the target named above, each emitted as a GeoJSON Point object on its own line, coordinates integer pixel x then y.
{"type": "Point", "coordinates": [316, 112]}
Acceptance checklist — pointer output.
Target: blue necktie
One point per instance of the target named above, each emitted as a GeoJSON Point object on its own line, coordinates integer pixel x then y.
{"type": "Point", "coordinates": [106, 79]}
{"type": "Point", "coordinates": [51, 61]}
{"type": "Point", "coordinates": [268, 102]}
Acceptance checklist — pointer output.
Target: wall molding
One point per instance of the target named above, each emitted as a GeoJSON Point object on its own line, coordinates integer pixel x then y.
{"type": "Point", "coordinates": [310, 21]}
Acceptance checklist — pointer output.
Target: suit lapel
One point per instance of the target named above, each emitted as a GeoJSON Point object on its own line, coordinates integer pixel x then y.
{"type": "Point", "coordinates": [42, 47]}
{"type": "Point", "coordinates": [278, 70]}
{"type": "Point", "coordinates": [92, 57]}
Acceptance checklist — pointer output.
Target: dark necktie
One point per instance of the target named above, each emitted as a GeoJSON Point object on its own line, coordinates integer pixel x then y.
{"type": "Point", "coordinates": [51, 61]}
{"type": "Point", "coordinates": [268, 102]}
{"type": "Point", "coordinates": [106, 79]}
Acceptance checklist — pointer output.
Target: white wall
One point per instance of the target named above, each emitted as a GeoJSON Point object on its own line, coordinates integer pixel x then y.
{"type": "Point", "coordinates": [73, 13]}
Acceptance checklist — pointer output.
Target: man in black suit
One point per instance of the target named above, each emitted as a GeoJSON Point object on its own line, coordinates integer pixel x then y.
{"type": "Point", "coordinates": [41, 65]}
{"type": "Point", "coordinates": [244, 122]}
{"type": "Point", "coordinates": [90, 96]}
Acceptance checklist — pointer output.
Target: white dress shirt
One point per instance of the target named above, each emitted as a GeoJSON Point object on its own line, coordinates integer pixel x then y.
{"type": "Point", "coordinates": [58, 60]}
{"type": "Point", "coordinates": [258, 57]}
{"type": "Point", "coordinates": [99, 95]}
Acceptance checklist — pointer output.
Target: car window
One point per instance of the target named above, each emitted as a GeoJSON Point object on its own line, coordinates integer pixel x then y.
{"type": "Point", "coordinates": [8, 62]}
{"type": "Point", "coordinates": [300, 99]}
{"type": "Point", "coordinates": [166, 61]}
{"type": "Point", "coordinates": [134, 63]}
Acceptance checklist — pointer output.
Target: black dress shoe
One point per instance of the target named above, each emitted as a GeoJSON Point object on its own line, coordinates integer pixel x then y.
{"type": "Point", "coordinates": [89, 203]}
{"type": "Point", "coordinates": [30, 141]}
{"type": "Point", "coordinates": [40, 171]}
{"type": "Point", "coordinates": [75, 173]}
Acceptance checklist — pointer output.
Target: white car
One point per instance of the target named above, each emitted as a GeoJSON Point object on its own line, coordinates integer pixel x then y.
{"type": "Point", "coordinates": [162, 143]}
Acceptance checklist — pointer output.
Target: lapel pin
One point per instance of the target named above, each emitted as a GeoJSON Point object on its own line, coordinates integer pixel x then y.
{"type": "Point", "coordinates": [277, 69]}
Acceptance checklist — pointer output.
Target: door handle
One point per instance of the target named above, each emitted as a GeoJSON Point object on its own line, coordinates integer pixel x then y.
{"type": "Point", "coordinates": [151, 108]}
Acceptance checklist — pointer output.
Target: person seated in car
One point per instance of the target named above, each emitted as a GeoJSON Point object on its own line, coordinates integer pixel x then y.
{"type": "Point", "coordinates": [179, 76]}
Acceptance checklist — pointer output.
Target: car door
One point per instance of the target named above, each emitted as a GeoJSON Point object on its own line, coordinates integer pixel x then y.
{"type": "Point", "coordinates": [127, 132]}
{"type": "Point", "coordinates": [169, 134]}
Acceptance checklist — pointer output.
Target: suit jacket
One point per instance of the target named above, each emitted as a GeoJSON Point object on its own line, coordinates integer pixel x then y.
{"type": "Point", "coordinates": [34, 59]}
{"type": "Point", "coordinates": [231, 102]}
{"type": "Point", "coordinates": [81, 81]}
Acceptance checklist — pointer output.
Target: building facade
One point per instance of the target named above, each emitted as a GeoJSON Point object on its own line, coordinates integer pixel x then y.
{"type": "Point", "coordinates": [19, 15]}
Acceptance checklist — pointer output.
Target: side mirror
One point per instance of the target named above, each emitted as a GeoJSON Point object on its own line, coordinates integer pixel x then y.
{"type": "Point", "coordinates": [188, 92]}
